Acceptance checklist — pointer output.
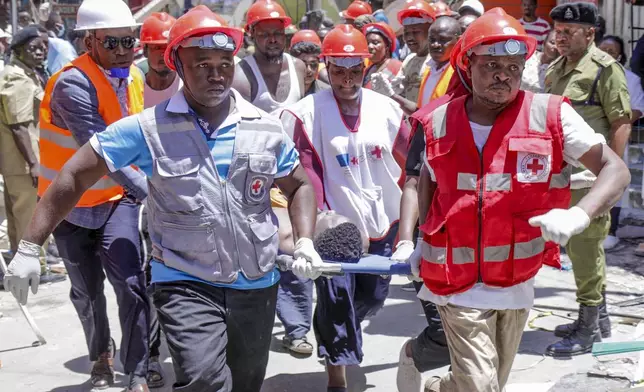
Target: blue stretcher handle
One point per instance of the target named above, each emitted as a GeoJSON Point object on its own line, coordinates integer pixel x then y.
{"type": "Point", "coordinates": [368, 264]}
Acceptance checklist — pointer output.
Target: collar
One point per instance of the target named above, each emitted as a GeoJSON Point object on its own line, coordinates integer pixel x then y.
{"type": "Point", "coordinates": [433, 65]}
{"type": "Point", "coordinates": [583, 61]}
{"type": "Point", "coordinates": [22, 66]}
{"type": "Point", "coordinates": [243, 109]}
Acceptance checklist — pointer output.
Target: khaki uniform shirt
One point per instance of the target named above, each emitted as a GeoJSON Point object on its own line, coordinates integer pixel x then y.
{"type": "Point", "coordinates": [610, 101]}
{"type": "Point", "coordinates": [20, 95]}
{"type": "Point", "coordinates": [411, 71]}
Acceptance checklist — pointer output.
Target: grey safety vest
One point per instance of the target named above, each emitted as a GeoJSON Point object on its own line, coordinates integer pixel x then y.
{"type": "Point", "coordinates": [201, 224]}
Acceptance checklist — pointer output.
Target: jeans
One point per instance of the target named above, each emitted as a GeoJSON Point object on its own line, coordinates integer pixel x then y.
{"type": "Point", "coordinates": [295, 305]}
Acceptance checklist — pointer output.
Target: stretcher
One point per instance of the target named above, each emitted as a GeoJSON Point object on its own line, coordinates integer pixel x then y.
{"type": "Point", "coordinates": [368, 264]}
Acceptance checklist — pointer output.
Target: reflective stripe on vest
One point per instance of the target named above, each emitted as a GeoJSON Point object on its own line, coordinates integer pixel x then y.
{"type": "Point", "coordinates": [57, 145]}
{"type": "Point", "coordinates": [477, 229]}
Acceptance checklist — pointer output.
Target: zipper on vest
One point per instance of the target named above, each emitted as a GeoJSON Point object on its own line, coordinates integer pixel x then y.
{"type": "Point", "coordinates": [480, 213]}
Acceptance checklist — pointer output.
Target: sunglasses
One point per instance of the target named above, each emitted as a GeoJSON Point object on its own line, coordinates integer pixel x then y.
{"type": "Point", "coordinates": [111, 43]}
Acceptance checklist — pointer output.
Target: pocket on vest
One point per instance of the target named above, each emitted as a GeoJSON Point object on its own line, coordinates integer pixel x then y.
{"type": "Point", "coordinates": [188, 239]}
{"type": "Point", "coordinates": [528, 246]}
{"type": "Point", "coordinates": [264, 238]}
{"type": "Point", "coordinates": [261, 169]}
{"type": "Point", "coordinates": [179, 177]}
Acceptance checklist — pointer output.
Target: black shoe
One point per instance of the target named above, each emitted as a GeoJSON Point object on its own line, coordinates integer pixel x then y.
{"type": "Point", "coordinates": [102, 375]}
{"type": "Point", "coordinates": [604, 320]}
{"type": "Point", "coordinates": [565, 330]}
{"type": "Point", "coordinates": [51, 277]}
{"type": "Point", "coordinates": [582, 339]}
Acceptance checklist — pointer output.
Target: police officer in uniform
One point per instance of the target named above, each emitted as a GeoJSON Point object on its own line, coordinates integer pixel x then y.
{"type": "Point", "coordinates": [596, 86]}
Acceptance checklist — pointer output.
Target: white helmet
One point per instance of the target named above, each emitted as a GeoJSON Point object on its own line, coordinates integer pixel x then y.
{"type": "Point", "coordinates": [104, 14]}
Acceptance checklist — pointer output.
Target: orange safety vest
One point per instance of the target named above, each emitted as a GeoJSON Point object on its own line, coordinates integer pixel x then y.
{"type": "Point", "coordinates": [477, 228]}
{"type": "Point", "coordinates": [441, 86]}
{"type": "Point", "coordinates": [57, 145]}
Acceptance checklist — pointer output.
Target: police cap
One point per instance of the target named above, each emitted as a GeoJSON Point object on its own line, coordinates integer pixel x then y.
{"type": "Point", "coordinates": [585, 13]}
{"type": "Point", "coordinates": [26, 34]}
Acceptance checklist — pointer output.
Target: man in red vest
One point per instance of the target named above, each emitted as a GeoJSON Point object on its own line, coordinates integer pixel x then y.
{"type": "Point", "coordinates": [493, 198]}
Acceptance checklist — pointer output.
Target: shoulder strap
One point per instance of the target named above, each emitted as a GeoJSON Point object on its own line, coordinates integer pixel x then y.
{"type": "Point", "coordinates": [250, 75]}
{"type": "Point", "coordinates": [590, 100]}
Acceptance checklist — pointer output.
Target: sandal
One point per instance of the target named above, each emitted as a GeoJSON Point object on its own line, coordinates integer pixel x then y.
{"type": "Point", "coordinates": [155, 375]}
{"type": "Point", "coordinates": [298, 346]}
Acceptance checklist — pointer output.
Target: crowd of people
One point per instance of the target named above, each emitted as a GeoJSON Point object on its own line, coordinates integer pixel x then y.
{"type": "Point", "coordinates": [179, 158]}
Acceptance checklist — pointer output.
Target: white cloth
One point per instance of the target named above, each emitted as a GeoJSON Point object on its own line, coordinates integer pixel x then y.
{"type": "Point", "coordinates": [263, 99]}
{"type": "Point", "coordinates": [435, 74]}
{"type": "Point", "coordinates": [360, 172]}
{"type": "Point", "coordinates": [579, 137]}
{"type": "Point", "coordinates": [152, 97]}
{"type": "Point", "coordinates": [531, 78]}
{"type": "Point", "coordinates": [634, 84]}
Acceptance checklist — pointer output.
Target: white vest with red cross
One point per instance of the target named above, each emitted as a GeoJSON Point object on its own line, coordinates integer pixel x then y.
{"type": "Point", "coordinates": [477, 228]}
{"type": "Point", "coordinates": [355, 171]}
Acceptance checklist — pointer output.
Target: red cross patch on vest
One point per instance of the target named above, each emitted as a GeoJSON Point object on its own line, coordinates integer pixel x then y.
{"type": "Point", "coordinates": [532, 168]}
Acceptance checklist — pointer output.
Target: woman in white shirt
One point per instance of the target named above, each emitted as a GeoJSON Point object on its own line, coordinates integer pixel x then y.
{"type": "Point", "coordinates": [614, 46]}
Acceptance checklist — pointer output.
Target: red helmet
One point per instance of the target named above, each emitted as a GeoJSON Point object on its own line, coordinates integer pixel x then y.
{"type": "Point", "coordinates": [156, 28]}
{"type": "Point", "coordinates": [197, 22]}
{"type": "Point", "coordinates": [383, 29]}
{"type": "Point", "coordinates": [493, 26]}
{"type": "Point", "coordinates": [416, 9]}
{"type": "Point", "coordinates": [306, 36]}
{"type": "Point", "coordinates": [356, 9]}
{"type": "Point", "coordinates": [265, 10]}
{"type": "Point", "coordinates": [442, 9]}
{"type": "Point", "coordinates": [345, 41]}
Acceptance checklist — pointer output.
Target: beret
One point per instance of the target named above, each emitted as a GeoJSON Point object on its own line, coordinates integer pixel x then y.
{"type": "Point", "coordinates": [23, 36]}
{"type": "Point", "coordinates": [585, 13]}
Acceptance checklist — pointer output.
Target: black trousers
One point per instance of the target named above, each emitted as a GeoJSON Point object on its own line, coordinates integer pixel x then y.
{"type": "Point", "coordinates": [218, 338]}
{"type": "Point", "coordinates": [112, 250]}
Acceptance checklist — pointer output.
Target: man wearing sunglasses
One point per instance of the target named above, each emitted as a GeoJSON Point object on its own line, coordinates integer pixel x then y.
{"type": "Point", "coordinates": [99, 237]}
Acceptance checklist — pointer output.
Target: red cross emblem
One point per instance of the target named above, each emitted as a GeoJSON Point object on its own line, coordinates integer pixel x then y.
{"type": "Point", "coordinates": [377, 152]}
{"type": "Point", "coordinates": [354, 161]}
{"type": "Point", "coordinates": [535, 167]}
{"type": "Point", "coordinates": [257, 188]}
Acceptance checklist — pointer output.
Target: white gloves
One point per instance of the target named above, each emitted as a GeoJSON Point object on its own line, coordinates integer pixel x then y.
{"type": "Point", "coordinates": [414, 260]}
{"type": "Point", "coordinates": [24, 271]}
{"type": "Point", "coordinates": [404, 249]}
{"type": "Point", "coordinates": [559, 225]}
{"type": "Point", "coordinates": [382, 85]}
{"type": "Point", "coordinates": [307, 260]}
{"type": "Point", "coordinates": [582, 180]}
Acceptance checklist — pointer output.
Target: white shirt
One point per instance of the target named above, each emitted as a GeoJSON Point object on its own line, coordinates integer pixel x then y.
{"type": "Point", "coordinates": [435, 74]}
{"type": "Point", "coordinates": [634, 85]}
{"type": "Point", "coordinates": [579, 137]}
{"type": "Point", "coordinates": [152, 97]}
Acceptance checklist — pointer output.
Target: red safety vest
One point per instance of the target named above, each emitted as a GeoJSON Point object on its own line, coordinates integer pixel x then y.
{"type": "Point", "coordinates": [477, 228]}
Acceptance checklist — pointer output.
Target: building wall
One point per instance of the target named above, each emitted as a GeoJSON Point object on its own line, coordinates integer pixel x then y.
{"type": "Point", "coordinates": [618, 20]}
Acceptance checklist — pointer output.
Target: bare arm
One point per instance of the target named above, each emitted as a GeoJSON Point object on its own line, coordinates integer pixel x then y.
{"type": "Point", "coordinates": [78, 175]}
{"type": "Point", "coordinates": [302, 207]}
{"type": "Point", "coordinates": [612, 179]}
{"type": "Point", "coordinates": [406, 105]}
{"type": "Point", "coordinates": [426, 189]}
{"type": "Point", "coordinates": [408, 209]}
{"type": "Point", "coordinates": [620, 131]}
{"type": "Point", "coordinates": [21, 137]}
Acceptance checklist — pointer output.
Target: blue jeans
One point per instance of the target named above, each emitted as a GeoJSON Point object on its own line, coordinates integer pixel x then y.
{"type": "Point", "coordinates": [295, 305]}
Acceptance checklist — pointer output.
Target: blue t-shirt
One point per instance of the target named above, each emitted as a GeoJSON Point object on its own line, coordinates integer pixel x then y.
{"type": "Point", "coordinates": [123, 144]}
